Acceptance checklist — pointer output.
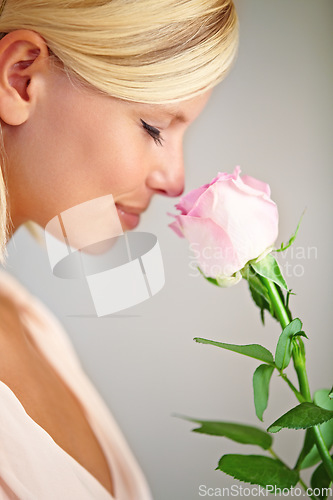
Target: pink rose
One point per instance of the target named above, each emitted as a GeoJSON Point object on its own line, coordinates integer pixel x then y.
{"type": "Point", "coordinates": [228, 222]}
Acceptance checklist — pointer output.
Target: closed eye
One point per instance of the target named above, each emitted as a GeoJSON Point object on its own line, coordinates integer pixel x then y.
{"type": "Point", "coordinates": [153, 132]}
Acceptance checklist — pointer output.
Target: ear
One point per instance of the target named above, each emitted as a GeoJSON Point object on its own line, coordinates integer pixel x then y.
{"type": "Point", "coordinates": [24, 59]}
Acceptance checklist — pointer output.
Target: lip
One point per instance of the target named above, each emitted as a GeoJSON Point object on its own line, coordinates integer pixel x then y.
{"type": "Point", "coordinates": [129, 216]}
{"type": "Point", "coordinates": [131, 210]}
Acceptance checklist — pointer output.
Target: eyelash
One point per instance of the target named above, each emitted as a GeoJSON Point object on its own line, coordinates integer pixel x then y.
{"type": "Point", "coordinates": [153, 132]}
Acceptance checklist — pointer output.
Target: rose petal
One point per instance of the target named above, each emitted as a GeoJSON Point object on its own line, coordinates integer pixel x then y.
{"type": "Point", "coordinates": [256, 184]}
{"type": "Point", "coordinates": [186, 202]}
{"type": "Point", "coordinates": [249, 219]}
{"type": "Point", "coordinates": [232, 216]}
{"type": "Point", "coordinates": [212, 247]}
{"type": "Point", "coordinates": [224, 176]}
{"type": "Point", "coordinates": [176, 227]}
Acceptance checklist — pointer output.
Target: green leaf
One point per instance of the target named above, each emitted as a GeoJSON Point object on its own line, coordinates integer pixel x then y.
{"type": "Point", "coordinates": [269, 268]}
{"type": "Point", "coordinates": [330, 394]}
{"type": "Point", "coordinates": [302, 416]}
{"type": "Point", "coordinates": [320, 481]}
{"type": "Point", "coordinates": [257, 469]}
{"type": "Point", "coordinates": [322, 398]}
{"type": "Point", "coordinates": [307, 446]}
{"type": "Point", "coordinates": [255, 351]}
{"type": "Point", "coordinates": [312, 457]}
{"type": "Point", "coordinates": [260, 302]}
{"type": "Point", "coordinates": [208, 278]}
{"type": "Point", "coordinates": [259, 293]}
{"type": "Point", "coordinates": [223, 281]}
{"type": "Point", "coordinates": [245, 434]}
{"type": "Point", "coordinates": [292, 239]}
{"type": "Point", "coordinates": [255, 282]}
{"type": "Point", "coordinates": [261, 379]}
{"type": "Point", "coordinates": [284, 346]}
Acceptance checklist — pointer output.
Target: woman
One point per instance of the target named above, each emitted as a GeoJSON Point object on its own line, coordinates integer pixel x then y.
{"type": "Point", "coordinates": [95, 97]}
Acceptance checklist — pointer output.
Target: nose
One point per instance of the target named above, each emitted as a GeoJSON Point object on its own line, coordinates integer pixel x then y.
{"type": "Point", "coordinates": [167, 175]}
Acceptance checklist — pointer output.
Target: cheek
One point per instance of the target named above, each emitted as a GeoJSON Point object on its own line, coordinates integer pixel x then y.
{"type": "Point", "coordinates": [89, 150]}
{"type": "Point", "coordinates": [102, 149]}
{"type": "Point", "coordinates": [121, 168]}
{"type": "Point", "coordinates": [118, 158]}
{"type": "Point", "coordinates": [97, 160]}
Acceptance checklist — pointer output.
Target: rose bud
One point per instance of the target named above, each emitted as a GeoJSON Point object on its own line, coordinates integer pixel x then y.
{"type": "Point", "coordinates": [228, 222]}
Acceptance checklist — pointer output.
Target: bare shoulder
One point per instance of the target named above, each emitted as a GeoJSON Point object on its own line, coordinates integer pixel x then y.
{"type": "Point", "coordinates": [15, 359]}
{"type": "Point", "coordinates": [9, 314]}
{"type": "Point", "coordinates": [44, 395]}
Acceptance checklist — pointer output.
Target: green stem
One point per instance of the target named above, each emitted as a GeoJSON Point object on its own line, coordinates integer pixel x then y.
{"type": "Point", "coordinates": [299, 364]}
{"type": "Point", "coordinates": [323, 451]}
{"type": "Point", "coordinates": [277, 302]}
{"type": "Point", "coordinates": [298, 395]}
{"type": "Point", "coordinates": [305, 488]}
{"type": "Point", "coordinates": [274, 455]}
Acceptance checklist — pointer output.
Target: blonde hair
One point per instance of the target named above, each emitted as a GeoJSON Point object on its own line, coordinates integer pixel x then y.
{"type": "Point", "coordinates": [3, 201]}
{"type": "Point", "coordinates": [139, 50]}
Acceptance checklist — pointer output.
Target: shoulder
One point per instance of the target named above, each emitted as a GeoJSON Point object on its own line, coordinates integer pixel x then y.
{"type": "Point", "coordinates": [12, 289]}
{"type": "Point", "coordinates": [13, 299]}
{"type": "Point", "coordinates": [19, 309]}
{"type": "Point", "coordinates": [14, 305]}
{"type": "Point", "coordinates": [10, 318]}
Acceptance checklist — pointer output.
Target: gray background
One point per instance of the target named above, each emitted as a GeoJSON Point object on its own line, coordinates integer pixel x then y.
{"type": "Point", "coordinates": [273, 117]}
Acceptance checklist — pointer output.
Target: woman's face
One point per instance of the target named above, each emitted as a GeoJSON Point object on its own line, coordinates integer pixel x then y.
{"type": "Point", "coordinates": [77, 145]}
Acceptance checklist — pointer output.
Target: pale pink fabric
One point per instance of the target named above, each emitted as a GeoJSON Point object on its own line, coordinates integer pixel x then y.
{"type": "Point", "coordinates": [32, 465]}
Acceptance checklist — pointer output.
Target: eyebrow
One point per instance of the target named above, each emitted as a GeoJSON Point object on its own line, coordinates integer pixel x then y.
{"type": "Point", "coordinates": [169, 110]}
